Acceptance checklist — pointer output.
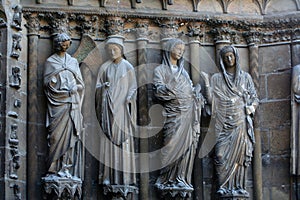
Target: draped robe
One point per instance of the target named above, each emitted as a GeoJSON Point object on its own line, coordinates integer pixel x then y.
{"type": "Point", "coordinates": [117, 117]}
{"type": "Point", "coordinates": [181, 127]}
{"type": "Point", "coordinates": [64, 119]}
{"type": "Point", "coordinates": [233, 128]}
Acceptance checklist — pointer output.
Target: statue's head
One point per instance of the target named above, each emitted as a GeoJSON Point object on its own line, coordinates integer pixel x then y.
{"type": "Point", "coordinates": [115, 48]}
{"type": "Point", "coordinates": [59, 39]}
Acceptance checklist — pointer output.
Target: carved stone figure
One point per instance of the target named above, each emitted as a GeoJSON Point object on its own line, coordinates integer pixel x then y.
{"type": "Point", "coordinates": [64, 89]}
{"type": "Point", "coordinates": [17, 17]}
{"type": "Point", "coordinates": [182, 103]}
{"type": "Point", "coordinates": [234, 100]}
{"type": "Point", "coordinates": [295, 129]}
{"type": "Point", "coordinates": [115, 98]}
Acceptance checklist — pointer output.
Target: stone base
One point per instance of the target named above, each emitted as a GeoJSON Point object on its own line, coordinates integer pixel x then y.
{"type": "Point", "coordinates": [233, 197]}
{"type": "Point", "coordinates": [173, 192]}
{"type": "Point", "coordinates": [120, 192]}
{"type": "Point", "coordinates": [62, 188]}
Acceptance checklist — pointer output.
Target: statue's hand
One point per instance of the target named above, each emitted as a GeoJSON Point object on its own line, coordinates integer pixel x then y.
{"type": "Point", "coordinates": [250, 109]}
{"type": "Point", "coordinates": [74, 89]}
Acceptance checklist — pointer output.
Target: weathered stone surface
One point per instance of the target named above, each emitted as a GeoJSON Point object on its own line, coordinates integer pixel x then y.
{"type": "Point", "coordinates": [278, 86]}
{"type": "Point", "coordinates": [271, 62]}
{"type": "Point", "coordinates": [280, 141]}
{"type": "Point", "coordinates": [274, 114]}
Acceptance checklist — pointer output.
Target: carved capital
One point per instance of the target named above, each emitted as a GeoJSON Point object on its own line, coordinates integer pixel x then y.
{"type": "Point", "coordinates": [114, 26]}
{"type": "Point", "coordinates": [169, 29]}
{"type": "Point", "coordinates": [33, 24]}
{"type": "Point", "coordinates": [86, 24]}
{"type": "Point", "coordinates": [252, 37]}
{"type": "Point", "coordinates": [223, 34]}
{"type": "Point", "coordinates": [142, 31]}
{"type": "Point", "coordinates": [194, 31]}
{"type": "Point", "coordinates": [58, 22]}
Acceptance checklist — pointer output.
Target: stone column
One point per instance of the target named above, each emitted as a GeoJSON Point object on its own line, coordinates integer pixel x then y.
{"type": "Point", "coordinates": [32, 105]}
{"type": "Point", "coordinates": [252, 40]}
{"type": "Point", "coordinates": [194, 44]}
{"type": "Point", "coordinates": [295, 154]}
{"type": "Point", "coordinates": [194, 34]}
{"type": "Point", "coordinates": [142, 103]}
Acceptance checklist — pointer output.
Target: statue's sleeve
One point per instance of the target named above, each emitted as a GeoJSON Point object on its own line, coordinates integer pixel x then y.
{"type": "Point", "coordinates": [162, 89]}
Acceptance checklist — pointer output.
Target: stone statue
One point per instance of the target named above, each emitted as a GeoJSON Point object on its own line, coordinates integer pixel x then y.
{"type": "Point", "coordinates": [295, 129]}
{"type": "Point", "coordinates": [115, 101]}
{"type": "Point", "coordinates": [182, 102]}
{"type": "Point", "coordinates": [64, 89]}
{"type": "Point", "coordinates": [234, 100]}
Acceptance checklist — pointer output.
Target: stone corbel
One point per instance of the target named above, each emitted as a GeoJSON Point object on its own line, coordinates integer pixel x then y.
{"type": "Point", "coordinates": [225, 4]}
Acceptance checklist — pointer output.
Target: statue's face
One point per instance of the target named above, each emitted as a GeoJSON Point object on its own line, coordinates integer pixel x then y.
{"type": "Point", "coordinates": [65, 45]}
{"type": "Point", "coordinates": [229, 59]}
{"type": "Point", "coordinates": [177, 51]}
{"type": "Point", "coordinates": [114, 51]}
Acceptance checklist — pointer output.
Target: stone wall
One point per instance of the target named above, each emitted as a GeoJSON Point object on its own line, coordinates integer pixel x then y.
{"type": "Point", "coordinates": [266, 33]}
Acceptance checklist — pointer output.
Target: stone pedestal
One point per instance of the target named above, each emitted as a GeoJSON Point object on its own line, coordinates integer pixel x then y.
{"type": "Point", "coordinates": [62, 188]}
{"type": "Point", "coordinates": [233, 197]}
{"type": "Point", "coordinates": [120, 192]}
{"type": "Point", "coordinates": [175, 192]}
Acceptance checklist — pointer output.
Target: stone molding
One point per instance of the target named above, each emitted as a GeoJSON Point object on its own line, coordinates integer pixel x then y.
{"type": "Point", "coordinates": [100, 25]}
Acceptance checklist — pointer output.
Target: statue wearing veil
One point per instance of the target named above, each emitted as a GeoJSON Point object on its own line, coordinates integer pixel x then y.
{"type": "Point", "coordinates": [182, 102]}
{"type": "Point", "coordinates": [234, 100]}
